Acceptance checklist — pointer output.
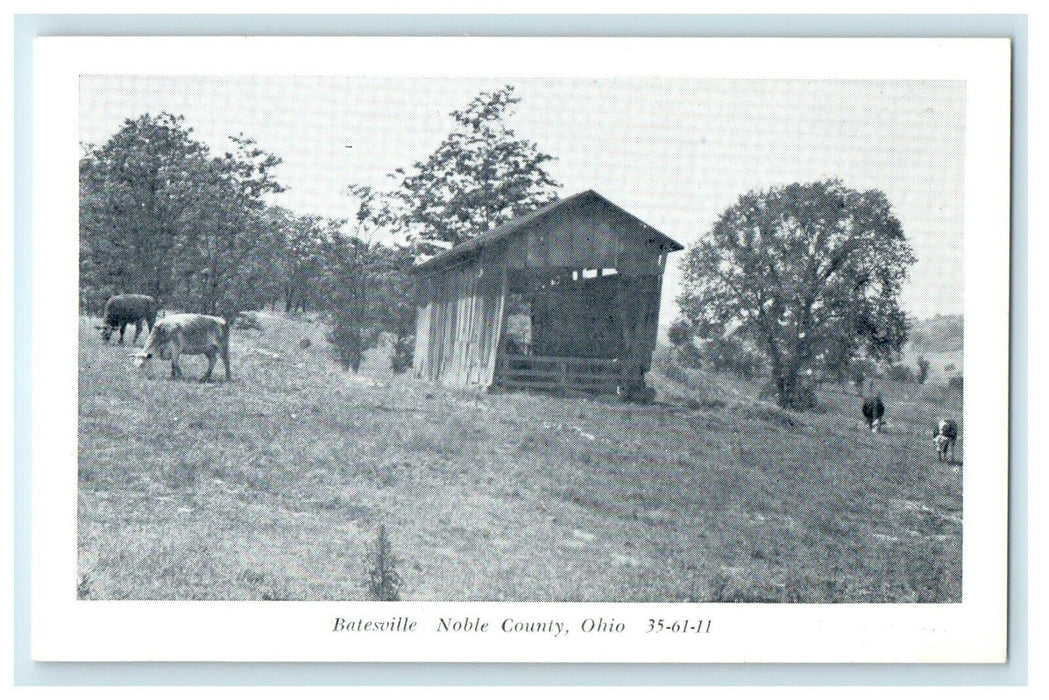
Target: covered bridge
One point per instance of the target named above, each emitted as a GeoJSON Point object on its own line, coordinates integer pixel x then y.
{"type": "Point", "coordinates": [564, 297]}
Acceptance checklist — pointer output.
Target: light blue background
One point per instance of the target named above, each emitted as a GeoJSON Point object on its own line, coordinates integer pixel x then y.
{"type": "Point", "coordinates": [27, 672]}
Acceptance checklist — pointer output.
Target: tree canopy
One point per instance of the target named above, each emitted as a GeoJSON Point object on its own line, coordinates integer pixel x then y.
{"type": "Point", "coordinates": [159, 214]}
{"type": "Point", "coordinates": [480, 176]}
{"type": "Point", "coordinates": [810, 274]}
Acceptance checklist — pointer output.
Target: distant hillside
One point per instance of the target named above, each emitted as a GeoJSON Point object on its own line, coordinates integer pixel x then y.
{"type": "Point", "coordinates": [939, 340]}
{"type": "Point", "coordinates": [940, 334]}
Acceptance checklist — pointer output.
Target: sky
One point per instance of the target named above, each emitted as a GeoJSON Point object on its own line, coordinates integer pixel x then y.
{"type": "Point", "coordinates": [674, 152]}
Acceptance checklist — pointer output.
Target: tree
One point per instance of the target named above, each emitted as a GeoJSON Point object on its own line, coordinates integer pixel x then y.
{"type": "Point", "coordinates": [160, 214]}
{"type": "Point", "coordinates": [227, 260]}
{"type": "Point", "coordinates": [810, 273]}
{"type": "Point", "coordinates": [390, 279]}
{"type": "Point", "coordinates": [482, 175]}
{"type": "Point", "coordinates": [395, 304]}
{"type": "Point", "coordinates": [300, 266]}
{"type": "Point", "coordinates": [345, 293]}
{"type": "Point", "coordinates": [923, 370]}
{"type": "Point", "coordinates": [134, 192]}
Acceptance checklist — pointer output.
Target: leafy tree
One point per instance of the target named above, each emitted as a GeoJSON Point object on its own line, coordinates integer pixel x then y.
{"type": "Point", "coordinates": [923, 370]}
{"type": "Point", "coordinates": [134, 196]}
{"type": "Point", "coordinates": [345, 293]}
{"type": "Point", "coordinates": [810, 273]}
{"type": "Point", "coordinates": [299, 265]}
{"type": "Point", "coordinates": [227, 264]}
{"type": "Point", "coordinates": [395, 304]}
{"type": "Point", "coordinates": [160, 214]}
{"type": "Point", "coordinates": [482, 175]}
{"type": "Point", "coordinates": [393, 298]}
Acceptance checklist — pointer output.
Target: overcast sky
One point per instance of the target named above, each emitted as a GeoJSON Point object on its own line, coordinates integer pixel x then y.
{"type": "Point", "coordinates": [675, 153]}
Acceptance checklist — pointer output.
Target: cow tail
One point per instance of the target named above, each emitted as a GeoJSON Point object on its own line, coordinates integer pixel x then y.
{"type": "Point", "coordinates": [225, 334]}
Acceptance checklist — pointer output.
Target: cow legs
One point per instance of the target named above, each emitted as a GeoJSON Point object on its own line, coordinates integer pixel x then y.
{"type": "Point", "coordinates": [122, 327]}
{"type": "Point", "coordinates": [138, 330]}
{"type": "Point", "coordinates": [225, 363]}
{"type": "Point", "coordinates": [176, 371]}
{"type": "Point", "coordinates": [211, 366]}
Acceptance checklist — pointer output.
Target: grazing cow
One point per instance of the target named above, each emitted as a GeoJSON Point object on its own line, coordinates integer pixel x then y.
{"type": "Point", "coordinates": [123, 309]}
{"type": "Point", "coordinates": [187, 334]}
{"type": "Point", "coordinates": [944, 436]}
{"type": "Point", "coordinates": [873, 410]}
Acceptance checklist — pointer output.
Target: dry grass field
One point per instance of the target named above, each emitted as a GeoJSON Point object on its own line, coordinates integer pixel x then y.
{"type": "Point", "coordinates": [272, 487]}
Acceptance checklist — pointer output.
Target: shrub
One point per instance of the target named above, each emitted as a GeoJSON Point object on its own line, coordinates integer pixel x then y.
{"type": "Point", "coordinates": [728, 354]}
{"type": "Point", "coordinates": [955, 383]}
{"type": "Point", "coordinates": [384, 583]}
{"type": "Point", "coordinates": [802, 398]}
{"type": "Point", "coordinates": [899, 373]}
{"type": "Point", "coordinates": [665, 361]}
{"type": "Point", "coordinates": [349, 340]}
{"type": "Point", "coordinates": [403, 353]}
{"type": "Point", "coordinates": [680, 333]}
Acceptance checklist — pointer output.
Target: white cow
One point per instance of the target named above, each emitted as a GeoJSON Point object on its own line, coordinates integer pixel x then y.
{"type": "Point", "coordinates": [187, 334]}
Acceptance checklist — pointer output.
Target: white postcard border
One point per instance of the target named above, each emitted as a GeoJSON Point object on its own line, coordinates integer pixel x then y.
{"type": "Point", "coordinates": [66, 629]}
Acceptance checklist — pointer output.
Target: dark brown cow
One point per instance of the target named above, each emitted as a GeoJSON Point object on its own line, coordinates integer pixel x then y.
{"type": "Point", "coordinates": [187, 334]}
{"type": "Point", "coordinates": [873, 411]}
{"type": "Point", "coordinates": [123, 309]}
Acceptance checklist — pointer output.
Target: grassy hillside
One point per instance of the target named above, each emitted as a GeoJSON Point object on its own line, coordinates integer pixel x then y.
{"type": "Point", "coordinates": [273, 487]}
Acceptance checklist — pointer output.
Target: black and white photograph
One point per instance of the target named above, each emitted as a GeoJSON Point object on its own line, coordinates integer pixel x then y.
{"type": "Point", "coordinates": [523, 338]}
{"type": "Point", "coordinates": [452, 365]}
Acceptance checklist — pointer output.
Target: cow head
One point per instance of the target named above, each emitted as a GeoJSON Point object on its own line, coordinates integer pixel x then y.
{"type": "Point", "coordinates": [107, 332]}
{"type": "Point", "coordinates": [142, 358]}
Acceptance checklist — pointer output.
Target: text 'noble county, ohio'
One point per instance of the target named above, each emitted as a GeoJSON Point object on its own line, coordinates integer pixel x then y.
{"type": "Point", "coordinates": [511, 625]}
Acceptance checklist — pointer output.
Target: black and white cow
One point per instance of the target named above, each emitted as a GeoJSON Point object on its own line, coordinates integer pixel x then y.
{"type": "Point", "coordinates": [123, 309]}
{"type": "Point", "coordinates": [873, 411]}
{"type": "Point", "coordinates": [187, 334]}
{"type": "Point", "coordinates": [944, 437]}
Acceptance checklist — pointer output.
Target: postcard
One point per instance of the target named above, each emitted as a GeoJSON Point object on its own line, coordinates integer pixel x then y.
{"type": "Point", "coordinates": [520, 349]}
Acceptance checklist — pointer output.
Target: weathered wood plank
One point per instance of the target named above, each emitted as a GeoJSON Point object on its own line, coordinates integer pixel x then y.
{"type": "Point", "coordinates": [546, 385]}
{"type": "Point", "coordinates": [497, 332]}
{"type": "Point", "coordinates": [568, 376]}
{"type": "Point", "coordinates": [546, 360]}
